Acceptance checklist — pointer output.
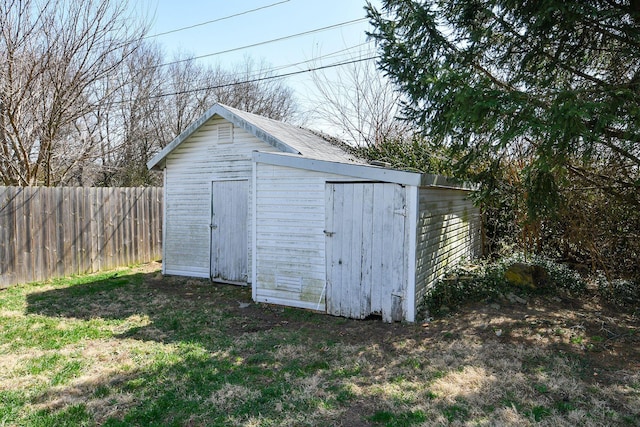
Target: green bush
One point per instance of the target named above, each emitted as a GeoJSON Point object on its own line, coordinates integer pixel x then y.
{"type": "Point", "coordinates": [622, 293]}
{"type": "Point", "coordinates": [485, 281]}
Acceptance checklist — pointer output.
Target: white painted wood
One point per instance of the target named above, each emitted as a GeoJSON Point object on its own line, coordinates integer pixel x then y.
{"type": "Point", "coordinates": [354, 243]}
{"type": "Point", "coordinates": [399, 270]}
{"type": "Point", "coordinates": [254, 231]}
{"type": "Point", "coordinates": [229, 230]}
{"type": "Point", "coordinates": [357, 171]}
{"type": "Point", "coordinates": [164, 222]}
{"type": "Point", "coordinates": [368, 212]}
{"type": "Point", "coordinates": [278, 135]}
{"type": "Point", "coordinates": [447, 232]}
{"type": "Point", "coordinates": [190, 169]}
{"type": "Point", "coordinates": [378, 253]}
{"type": "Point", "coordinates": [289, 236]}
{"type": "Point", "coordinates": [292, 215]}
{"type": "Point", "coordinates": [329, 232]}
{"type": "Point", "coordinates": [275, 298]}
{"type": "Point", "coordinates": [410, 303]}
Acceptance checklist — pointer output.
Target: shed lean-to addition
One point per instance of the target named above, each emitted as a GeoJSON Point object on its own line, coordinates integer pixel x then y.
{"type": "Point", "coordinates": [249, 199]}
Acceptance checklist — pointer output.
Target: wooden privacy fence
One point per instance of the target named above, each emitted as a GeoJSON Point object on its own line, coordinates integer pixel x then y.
{"type": "Point", "coordinates": [54, 232]}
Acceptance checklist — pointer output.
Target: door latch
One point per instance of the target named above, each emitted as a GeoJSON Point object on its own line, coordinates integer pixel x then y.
{"type": "Point", "coordinates": [213, 226]}
{"type": "Point", "coordinates": [329, 233]}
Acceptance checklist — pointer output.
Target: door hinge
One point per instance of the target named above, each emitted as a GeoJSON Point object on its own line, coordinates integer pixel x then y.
{"type": "Point", "coordinates": [402, 212]}
{"type": "Point", "coordinates": [328, 233]}
{"type": "Point", "coordinates": [397, 294]}
{"type": "Point", "coordinates": [213, 226]}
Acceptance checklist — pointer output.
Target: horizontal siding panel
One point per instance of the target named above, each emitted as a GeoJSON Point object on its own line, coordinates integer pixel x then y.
{"type": "Point", "coordinates": [268, 231]}
{"type": "Point", "coordinates": [297, 207]}
{"type": "Point", "coordinates": [459, 250]}
{"type": "Point", "coordinates": [306, 199]}
{"type": "Point", "coordinates": [301, 256]}
{"type": "Point", "coordinates": [312, 305]}
{"type": "Point", "coordinates": [311, 290]}
{"type": "Point", "coordinates": [277, 237]}
{"type": "Point", "coordinates": [288, 224]}
{"type": "Point", "coordinates": [311, 215]}
{"type": "Point", "coordinates": [187, 271]}
{"type": "Point", "coordinates": [447, 232]}
{"type": "Point", "coordinates": [451, 234]}
{"type": "Point", "coordinates": [290, 240]}
{"type": "Point", "coordinates": [191, 168]}
{"type": "Point", "coordinates": [309, 191]}
{"type": "Point", "coordinates": [203, 173]}
{"type": "Point", "coordinates": [284, 241]}
{"type": "Point", "coordinates": [312, 275]}
{"type": "Point", "coordinates": [451, 207]}
{"type": "Point", "coordinates": [296, 199]}
{"type": "Point", "coordinates": [439, 193]}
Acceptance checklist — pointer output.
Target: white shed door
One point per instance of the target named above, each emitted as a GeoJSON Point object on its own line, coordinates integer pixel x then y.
{"type": "Point", "coordinates": [229, 238]}
{"type": "Point", "coordinates": [366, 273]}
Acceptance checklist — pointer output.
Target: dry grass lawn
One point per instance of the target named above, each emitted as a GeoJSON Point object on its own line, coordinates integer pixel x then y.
{"type": "Point", "coordinates": [134, 348]}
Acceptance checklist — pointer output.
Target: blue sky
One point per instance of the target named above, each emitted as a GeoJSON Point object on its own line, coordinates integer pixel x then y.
{"type": "Point", "coordinates": [285, 18]}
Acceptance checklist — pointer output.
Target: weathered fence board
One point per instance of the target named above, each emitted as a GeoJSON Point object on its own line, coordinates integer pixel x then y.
{"type": "Point", "coordinates": [56, 232]}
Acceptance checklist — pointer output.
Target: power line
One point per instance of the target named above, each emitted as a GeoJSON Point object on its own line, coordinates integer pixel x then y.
{"type": "Point", "coordinates": [317, 30]}
{"type": "Point", "coordinates": [317, 58]}
{"type": "Point", "coordinates": [214, 20]}
{"type": "Point", "coordinates": [260, 79]}
{"type": "Point", "coordinates": [268, 71]}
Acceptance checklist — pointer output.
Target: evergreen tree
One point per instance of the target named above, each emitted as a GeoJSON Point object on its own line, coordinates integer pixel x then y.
{"type": "Point", "coordinates": [550, 88]}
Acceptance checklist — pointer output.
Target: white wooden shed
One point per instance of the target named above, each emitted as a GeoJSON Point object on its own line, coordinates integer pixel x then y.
{"type": "Point", "coordinates": [249, 199]}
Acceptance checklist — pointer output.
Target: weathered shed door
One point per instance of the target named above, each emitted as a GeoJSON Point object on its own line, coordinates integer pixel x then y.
{"type": "Point", "coordinates": [229, 238]}
{"type": "Point", "coordinates": [365, 233]}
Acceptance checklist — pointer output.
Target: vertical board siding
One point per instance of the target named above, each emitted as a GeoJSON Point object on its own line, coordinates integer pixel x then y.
{"type": "Point", "coordinates": [229, 233]}
{"type": "Point", "coordinates": [190, 170]}
{"type": "Point", "coordinates": [448, 231]}
{"type": "Point", "coordinates": [56, 232]}
{"type": "Point", "coordinates": [363, 218]}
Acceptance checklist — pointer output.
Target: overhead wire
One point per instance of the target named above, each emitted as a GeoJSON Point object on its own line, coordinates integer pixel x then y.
{"type": "Point", "coordinates": [262, 75]}
{"type": "Point", "coordinates": [214, 20]}
{"type": "Point", "coordinates": [260, 79]}
{"type": "Point", "coordinates": [312, 60]}
{"type": "Point", "coordinates": [304, 33]}
{"type": "Point", "coordinates": [265, 74]}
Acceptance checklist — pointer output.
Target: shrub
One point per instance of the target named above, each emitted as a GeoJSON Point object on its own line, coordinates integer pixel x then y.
{"type": "Point", "coordinates": [619, 292]}
{"type": "Point", "coordinates": [486, 280]}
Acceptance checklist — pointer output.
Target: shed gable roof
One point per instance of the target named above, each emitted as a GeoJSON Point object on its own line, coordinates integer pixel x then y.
{"type": "Point", "coordinates": [285, 137]}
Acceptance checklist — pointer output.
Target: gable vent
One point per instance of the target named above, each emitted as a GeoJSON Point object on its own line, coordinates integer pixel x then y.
{"type": "Point", "coordinates": [225, 133]}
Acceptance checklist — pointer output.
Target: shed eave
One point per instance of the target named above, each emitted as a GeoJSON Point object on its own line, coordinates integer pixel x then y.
{"type": "Point", "coordinates": [157, 161]}
{"type": "Point", "coordinates": [430, 180]}
{"type": "Point", "coordinates": [374, 173]}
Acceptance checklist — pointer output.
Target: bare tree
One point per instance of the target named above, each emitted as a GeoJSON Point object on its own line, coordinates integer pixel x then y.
{"type": "Point", "coordinates": [154, 103]}
{"type": "Point", "coordinates": [359, 102]}
{"type": "Point", "coordinates": [250, 86]}
{"type": "Point", "coordinates": [134, 125]}
{"type": "Point", "coordinates": [188, 93]}
{"type": "Point", "coordinates": [83, 100]}
{"type": "Point", "coordinates": [55, 56]}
